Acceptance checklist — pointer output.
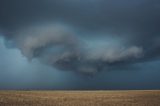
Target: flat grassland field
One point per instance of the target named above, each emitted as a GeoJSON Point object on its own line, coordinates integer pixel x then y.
{"type": "Point", "coordinates": [80, 98]}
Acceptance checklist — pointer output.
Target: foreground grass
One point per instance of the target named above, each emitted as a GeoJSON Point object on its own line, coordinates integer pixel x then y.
{"type": "Point", "coordinates": [80, 98]}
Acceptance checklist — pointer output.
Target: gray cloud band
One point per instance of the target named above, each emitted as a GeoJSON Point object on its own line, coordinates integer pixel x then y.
{"type": "Point", "coordinates": [136, 22]}
{"type": "Point", "coordinates": [58, 46]}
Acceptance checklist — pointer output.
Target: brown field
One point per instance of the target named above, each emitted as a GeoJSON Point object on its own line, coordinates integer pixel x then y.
{"type": "Point", "coordinates": [80, 98]}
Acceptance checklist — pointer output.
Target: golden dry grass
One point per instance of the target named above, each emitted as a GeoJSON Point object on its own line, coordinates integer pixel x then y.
{"type": "Point", "coordinates": [80, 98]}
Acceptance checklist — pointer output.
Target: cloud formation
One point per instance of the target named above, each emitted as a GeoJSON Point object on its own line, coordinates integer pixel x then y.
{"type": "Point", "coordinates": [65, 45]}
{"type": "Point", "coordinates": [60, 47]}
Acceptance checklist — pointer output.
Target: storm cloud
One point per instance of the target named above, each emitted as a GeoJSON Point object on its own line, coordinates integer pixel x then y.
{"type": "Point", "coordinates": [83, 35]}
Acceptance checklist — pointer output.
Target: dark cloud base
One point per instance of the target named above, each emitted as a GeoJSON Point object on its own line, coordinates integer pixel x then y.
{"type": "Point", "coordinates": [26, 25]}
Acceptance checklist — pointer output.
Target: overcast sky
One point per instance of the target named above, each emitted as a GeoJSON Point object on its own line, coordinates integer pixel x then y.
{"type": "Point", "coordinates": [79, 44]}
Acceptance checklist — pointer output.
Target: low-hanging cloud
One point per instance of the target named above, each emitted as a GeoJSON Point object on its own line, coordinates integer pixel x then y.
{"type": "Point", "coordinates": [62, 45]}
{"type": "Point", "coordinates": [59, 46]}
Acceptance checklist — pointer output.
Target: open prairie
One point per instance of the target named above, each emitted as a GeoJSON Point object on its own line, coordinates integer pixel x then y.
{"type": "Point", "coordinates": [80, 98]}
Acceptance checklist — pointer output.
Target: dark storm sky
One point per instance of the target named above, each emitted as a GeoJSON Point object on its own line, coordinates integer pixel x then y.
{"type": "Point", "coordinates": [79, 44]}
